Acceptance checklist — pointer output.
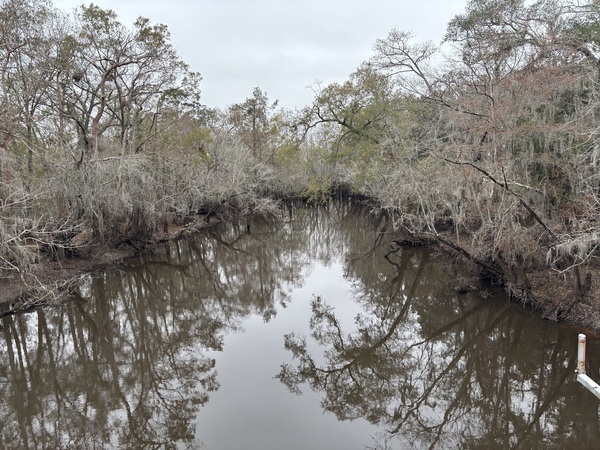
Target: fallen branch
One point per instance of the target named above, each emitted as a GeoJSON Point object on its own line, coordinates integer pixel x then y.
{"type": "Point", "coordinates": [487, 267]}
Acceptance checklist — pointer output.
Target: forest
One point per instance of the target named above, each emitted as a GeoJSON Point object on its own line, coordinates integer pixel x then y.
{"type": "Point", "coordinates": [485, 145]}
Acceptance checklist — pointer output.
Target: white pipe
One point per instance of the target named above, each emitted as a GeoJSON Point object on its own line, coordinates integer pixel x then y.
{"type": "Point", "coordinates": [590, 384]}
{"type": "Point", "coordinates": [581, 354]}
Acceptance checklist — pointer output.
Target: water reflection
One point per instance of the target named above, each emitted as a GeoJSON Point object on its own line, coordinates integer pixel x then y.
{"type": "Point", "coordinates": [124, 365]}
{"type": "Point", "coordinates": [130, 363]}
{"type": "Point", "coordinates": [440, 370]}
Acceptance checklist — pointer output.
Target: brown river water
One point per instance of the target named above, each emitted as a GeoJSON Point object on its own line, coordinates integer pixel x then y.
{"type": "Point", "coordinates": [307, 332]}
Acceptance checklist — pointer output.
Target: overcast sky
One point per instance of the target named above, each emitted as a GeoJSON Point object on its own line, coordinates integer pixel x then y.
{"type": "Point", "coordinates": [281, 46]}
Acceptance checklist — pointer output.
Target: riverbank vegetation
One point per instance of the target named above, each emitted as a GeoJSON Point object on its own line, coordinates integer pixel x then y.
{"type": "Point", "coordinates": [486, 143]}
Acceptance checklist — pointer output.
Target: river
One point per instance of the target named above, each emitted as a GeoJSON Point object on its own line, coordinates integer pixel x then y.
{"type": "Point", "coordinates": [309, 331]}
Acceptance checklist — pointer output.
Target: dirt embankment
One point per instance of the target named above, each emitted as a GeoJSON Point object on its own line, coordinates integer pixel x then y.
{"type": "Point", "coordinates": [548, 292]}
{"type": "Point", "coordinates": [50, 280]}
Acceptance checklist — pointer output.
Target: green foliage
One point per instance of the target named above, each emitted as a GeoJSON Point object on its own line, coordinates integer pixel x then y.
{"type": "Point", "coordinates": [348, 129]}
{"type": "Point", "coordinates": [254, 122]}
{"type": "Point", "coordinates": [150, 35]}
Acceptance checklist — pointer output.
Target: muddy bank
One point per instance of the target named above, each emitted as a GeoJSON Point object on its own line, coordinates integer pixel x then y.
{"type": "Point", "coordinates": [51, 280]}
{"type": "Point", "coordinates": [549, 293]}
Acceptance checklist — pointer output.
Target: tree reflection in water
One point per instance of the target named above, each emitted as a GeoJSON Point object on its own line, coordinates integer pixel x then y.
{"type": "Point", "coordinates": [124, 365]}
{"type": "Point", "coordinates": [121, 372]}
{"type": "Point", "coordinates": [441, 371]}
{"type": "Point", "coordinates": [129, 363]}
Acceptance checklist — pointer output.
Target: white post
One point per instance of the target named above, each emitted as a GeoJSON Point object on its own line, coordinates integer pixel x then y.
{"type": "Point", "coordinates": [590, 384]}
{"type": "Point", "coordinates": [581, 354]}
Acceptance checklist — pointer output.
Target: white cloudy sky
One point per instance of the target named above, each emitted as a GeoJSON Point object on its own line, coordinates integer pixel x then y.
{"type": "Point", "coordinates": [281, 46]}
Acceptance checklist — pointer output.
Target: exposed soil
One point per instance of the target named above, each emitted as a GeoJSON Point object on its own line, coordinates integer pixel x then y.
{"type": "Point", "coordinates": [550, 295]}
{"type": "Point", "coordinates": [53, 276]}
{"type": "Point", "coordinates": [49, 281]}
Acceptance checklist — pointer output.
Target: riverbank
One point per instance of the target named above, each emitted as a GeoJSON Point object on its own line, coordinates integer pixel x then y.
{"type": "Point", "coordinates": [50, 281]}
{"type": "Point", "coordinates": [547, 292]}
